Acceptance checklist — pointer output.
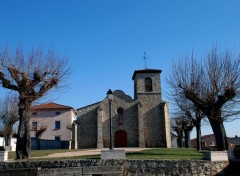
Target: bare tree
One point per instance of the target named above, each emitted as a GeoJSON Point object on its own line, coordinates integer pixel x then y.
{"type": "Point", "coordinates": [184, 107]}
{"type": "Point", "coordinates": [9, 115]}
{"type": "Point", "coordinates": [193, 115]}
{"type": "Point", "coordinates": [183, 125]}
{"type": "Point", "coordinates": [212, 84]}
{"type": "Point", "coordinates": [32, 75]}
{"type": "Point", "coordinates": [177, 127]}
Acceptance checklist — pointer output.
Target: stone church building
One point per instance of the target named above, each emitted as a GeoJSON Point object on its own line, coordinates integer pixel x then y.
{"type": "Point", "coordinates": [139, 122]}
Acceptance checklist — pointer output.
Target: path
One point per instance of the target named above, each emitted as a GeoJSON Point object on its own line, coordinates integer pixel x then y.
{"type": "Point", "coordinates": [87, 152]}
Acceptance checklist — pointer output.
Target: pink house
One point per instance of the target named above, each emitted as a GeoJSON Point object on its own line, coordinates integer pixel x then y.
{"type": "Point", "coordinates": [57, 121]}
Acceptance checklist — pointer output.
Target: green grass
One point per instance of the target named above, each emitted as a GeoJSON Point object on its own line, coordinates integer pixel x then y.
{"type": "Point", "coordinates": [39, 153]}
{"type": "Point", "coordinates": [157, 153]}
{"type": "Point", "coordinates": [163, 153]}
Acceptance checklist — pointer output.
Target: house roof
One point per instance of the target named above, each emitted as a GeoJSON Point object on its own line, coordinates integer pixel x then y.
{"type": "Point", "coordinates": [51, 106]}
{"type": "Point", "coordinates": [145, 71]}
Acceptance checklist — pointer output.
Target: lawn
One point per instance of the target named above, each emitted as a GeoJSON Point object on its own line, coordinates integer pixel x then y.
{"type": "Point", "coordinates": [39, 153]}
{"type": "Point", "coordinates": [157, 153]}
{"type": "Point", "coordinates": [164, 153]}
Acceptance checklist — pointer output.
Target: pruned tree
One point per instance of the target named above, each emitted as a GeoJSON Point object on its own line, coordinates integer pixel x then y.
{"type": "Point", "coordinates": [32, 75]}
{"type": "Point", "coordinates": [193, 115]}
{"type": "Point", "coordinates": [8, 115]}
{"type": "Point", "coordinates": [183, 125]}
{"type": "Point", "coordinates": [184, 107]}
{"type": "Point", "coordinates": [212, 84]}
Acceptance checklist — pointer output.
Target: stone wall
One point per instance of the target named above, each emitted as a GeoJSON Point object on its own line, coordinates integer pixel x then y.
{"type": "Point", "coordinates": [129, 167]}
{"type": "Point", "coordinates": [87, 126]}
{"type": "Point", "coordinates": [129, 118]}
{"type": "Point", "coordinates": [156, 123]}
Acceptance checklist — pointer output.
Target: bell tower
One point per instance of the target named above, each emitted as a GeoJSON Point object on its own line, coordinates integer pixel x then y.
{"type": "Point", "coordinates": [147, 84]}
{"type": "Point", "coordinates": [154, 116]}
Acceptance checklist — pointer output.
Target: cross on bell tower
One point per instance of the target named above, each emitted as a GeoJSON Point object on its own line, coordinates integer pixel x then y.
{"type": "Point", "coordinates": [145, 60]}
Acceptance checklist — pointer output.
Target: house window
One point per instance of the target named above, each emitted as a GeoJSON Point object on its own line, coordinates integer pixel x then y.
{"type": "Point", "coordinates": [57, 125]}
{"type": "Point", "coordinates": [34, 113]}
{"type": "Point", "coordinates": [148, 85]}
{"type": "Point", "coordinates": [57, 113]}
{"type": "Point", "coordinates": [34, 125]}
{"type": "Point", "coordinates": [57, 138]}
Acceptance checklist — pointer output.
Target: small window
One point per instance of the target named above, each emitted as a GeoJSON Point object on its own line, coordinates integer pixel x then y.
{"type": "Point", "coordinates": [120, 110]}
{"type": "Point", "coordinates": [57, 125]}
{"type": "Point", "coordinates": [57, 113]}
{"type": "Point", "coordinates": [34, 125]}
{"type": "Point", "coordinates": [34, 113]}
{"type": "Point", "coordinates": [57, 138]}
{"type": "Point", "coordinates": [148, 85]}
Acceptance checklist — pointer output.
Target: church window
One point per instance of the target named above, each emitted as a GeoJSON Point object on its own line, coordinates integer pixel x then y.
{"type": "Point", "coordinates": [148, 85]}
{"type": "Point", "coordinates": [120, 110]}
{"type": "Point", "coordinates": [120, 115]}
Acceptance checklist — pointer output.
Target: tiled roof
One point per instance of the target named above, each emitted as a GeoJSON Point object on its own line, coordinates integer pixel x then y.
{"type": "Point", "coordinates": [51, 106]}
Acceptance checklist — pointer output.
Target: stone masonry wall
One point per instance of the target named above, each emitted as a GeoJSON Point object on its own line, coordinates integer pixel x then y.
{"type": "Point", "coordinates": [129, 118]}
{"type": "Point", "coordinates": [87, 126]}
{"type": "Point", "coordinates": [130, 167]}
{"type": "Point", "coordinates": [154, 121]}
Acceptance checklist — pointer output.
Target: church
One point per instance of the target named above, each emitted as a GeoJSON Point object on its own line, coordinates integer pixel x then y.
{"type": "Point", "coordinates": [142, 121]}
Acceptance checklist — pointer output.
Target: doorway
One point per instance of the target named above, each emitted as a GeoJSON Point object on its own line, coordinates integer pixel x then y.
{"type": "Point", "coordinates": [120, 138]}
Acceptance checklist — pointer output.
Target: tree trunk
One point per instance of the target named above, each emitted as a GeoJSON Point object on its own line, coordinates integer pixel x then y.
{"type": "Point", "coordinates": [219, 133]}
{"type": "Point", "coordinates": [179, 141]}
{"type": "Point", "coordinates": [179, 138]}
{"type": "Point", "coordinates": [198, 131]}
{"type": "Point", "coordinates": [187, 138]}
{"type": "Point", "coordinates": [8, 139]}
{"type": "Point", "coordinates": [23, 148]}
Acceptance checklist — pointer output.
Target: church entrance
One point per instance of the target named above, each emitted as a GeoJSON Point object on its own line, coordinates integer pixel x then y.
{"type": "Point", "coordinates": [120, 138]}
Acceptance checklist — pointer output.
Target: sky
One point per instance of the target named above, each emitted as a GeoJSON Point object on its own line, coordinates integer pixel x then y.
{"type": "Point", "coordinates": [105, 40]}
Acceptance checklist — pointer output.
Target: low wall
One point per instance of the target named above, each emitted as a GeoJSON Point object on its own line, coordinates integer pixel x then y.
{"type": "Point", "coordinates": [129, 167]}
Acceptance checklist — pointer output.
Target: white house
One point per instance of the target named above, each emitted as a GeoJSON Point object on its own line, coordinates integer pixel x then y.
{"type": "Point", "coordinates": [57, 120]}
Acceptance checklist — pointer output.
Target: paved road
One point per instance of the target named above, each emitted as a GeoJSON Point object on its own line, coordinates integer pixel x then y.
{"type": "Point", "coordinates": [87, 152]}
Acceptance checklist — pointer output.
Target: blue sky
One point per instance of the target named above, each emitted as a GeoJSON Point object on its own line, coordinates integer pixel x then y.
{"type": "Point", "coordinates": [105, 40]}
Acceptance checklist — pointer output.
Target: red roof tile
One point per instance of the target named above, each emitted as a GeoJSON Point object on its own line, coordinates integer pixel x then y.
{"type": "Point", "coordinates": [51, 106]}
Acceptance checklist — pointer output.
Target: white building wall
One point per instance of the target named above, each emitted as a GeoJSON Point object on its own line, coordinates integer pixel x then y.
{"type": "Point", "coordinates": [47, 117]}
{"type": "Point", "coordinates": [13, 143]}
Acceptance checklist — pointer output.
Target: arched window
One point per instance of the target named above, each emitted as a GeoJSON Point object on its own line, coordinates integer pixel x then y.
{"type": "Point", "coordinates": [120, 112]}
{"type": "Point", "coordinates": [148, 85]}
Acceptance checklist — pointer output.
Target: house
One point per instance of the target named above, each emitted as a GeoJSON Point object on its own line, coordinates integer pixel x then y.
{"type": "Point", "coordinates": [51, 126]}
{"type": "Point", "coordinates": [209, 141]}
{"type": "Point", "coordinates": [142, 121]}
